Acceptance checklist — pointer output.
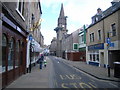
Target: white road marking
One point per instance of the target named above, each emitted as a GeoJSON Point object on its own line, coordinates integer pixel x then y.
{"type": "Point", "coordinates": [114, 85]}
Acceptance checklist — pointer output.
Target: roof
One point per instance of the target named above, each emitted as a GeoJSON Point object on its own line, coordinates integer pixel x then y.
{"type": "Point", "coordinates": [115, 7]}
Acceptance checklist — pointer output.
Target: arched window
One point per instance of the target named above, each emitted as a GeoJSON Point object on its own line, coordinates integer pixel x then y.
{"type": "Point", "coordinates": [4, 52]}
{"type": "Point", "coordinates": [17, 54]}
{"type": "Point", "coordinates": [11, 53]}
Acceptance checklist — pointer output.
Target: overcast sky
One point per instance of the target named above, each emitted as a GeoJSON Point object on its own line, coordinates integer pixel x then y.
{"type": "Point", "coordinates": [79, 12]}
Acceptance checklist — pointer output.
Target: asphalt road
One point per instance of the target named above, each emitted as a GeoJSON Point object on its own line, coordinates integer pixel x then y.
{"type": "Point", "coordinates": [66, 76]}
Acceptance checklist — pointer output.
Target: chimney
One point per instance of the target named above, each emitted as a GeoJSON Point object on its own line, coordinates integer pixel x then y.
{"type": "Point", "coordinates": [114, 2]}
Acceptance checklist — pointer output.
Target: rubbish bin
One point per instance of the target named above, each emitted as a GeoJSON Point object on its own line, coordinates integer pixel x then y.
{"type": "Point", "coordinates": [117, 69]}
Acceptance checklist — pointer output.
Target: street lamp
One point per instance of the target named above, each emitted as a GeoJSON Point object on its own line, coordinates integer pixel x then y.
{"type": "Point", "coordinates": [31, 38]}
{"type": "Point", "coordinates": [108, 45]}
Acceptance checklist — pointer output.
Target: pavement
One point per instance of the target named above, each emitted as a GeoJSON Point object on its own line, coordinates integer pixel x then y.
{"type": "Point", "coordinates": [41, 78]}
{"type": "Point", "coordinates": [95, 71]}
{"type": "Point", "coordinates": [38, 78]}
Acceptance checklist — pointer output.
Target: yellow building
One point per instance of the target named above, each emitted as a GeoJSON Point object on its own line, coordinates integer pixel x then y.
{"type": "Point", "coordinates": [103, 37]}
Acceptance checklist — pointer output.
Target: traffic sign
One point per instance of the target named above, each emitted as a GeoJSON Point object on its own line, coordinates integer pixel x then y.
{"type": "Point", "coordinates": [30, 37]}
{"type": "Point", "coordinates": [108, 41]}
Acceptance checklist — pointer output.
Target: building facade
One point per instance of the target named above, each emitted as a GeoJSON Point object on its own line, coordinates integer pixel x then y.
{"type": "Point", "coordinates": [35, 38]}
{"type": "Point", "coordinates": [53, 46]}
{"type": "Point", "coordinates": [82, 43]}
{"type": "Point", "coordinates": [103, 38]}
{"type": "Point", "coordinates": [61, 30]}
{"type": "Point", "coordinates": [14, 43]}
{"type": "Point", "coordinates": [17, 24]}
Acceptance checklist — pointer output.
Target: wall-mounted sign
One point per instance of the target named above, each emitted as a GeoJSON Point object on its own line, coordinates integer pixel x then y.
{"type": "Point", "coordinates": [96, 46]}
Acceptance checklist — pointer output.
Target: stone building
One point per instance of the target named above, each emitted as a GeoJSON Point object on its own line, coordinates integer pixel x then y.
{"type": "Point", "coordinates": [103, 43]}
{"type": "Point", "coordinates": [61, 30]}
{"type": "Point", "coordinates": [17, 21]}
{"type": "Point", "coordinates": [53, 46]}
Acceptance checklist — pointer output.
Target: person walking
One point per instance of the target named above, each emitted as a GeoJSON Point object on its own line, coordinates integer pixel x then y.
{"type": "Point", "coordinates": [41, 59]}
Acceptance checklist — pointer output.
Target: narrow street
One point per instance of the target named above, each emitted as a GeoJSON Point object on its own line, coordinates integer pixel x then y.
{"type": "Point", "coordinates": [58, 74]}
{"type": "Point", "coordinates": [65, 76]}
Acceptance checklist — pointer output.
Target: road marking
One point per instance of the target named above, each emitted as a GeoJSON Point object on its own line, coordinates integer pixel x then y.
{"type": "Point", "coordinates": [113, 85]}
{"type": "Point", "coordinates": [55, 83]}
{"type": "Point", "coordinates": [64, 85]}
{"type": "Point", "coordinates": [92, 85]}
{"type": "Point", "coordinates": [92, 80]}
{"type": "Point", "coordinates": [71, 77]}
{"type": "Point", "coordinates": [84, 84]}
{"type": "Point", "coordinates": [74, 84]}
{"type": "Point", "coordinates": [61, 77]}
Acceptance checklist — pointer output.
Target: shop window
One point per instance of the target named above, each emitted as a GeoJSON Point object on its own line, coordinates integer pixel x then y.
{"type": "Point", "coordinates": [90, 57]}
{"type": "Point", "coordinates": [11, 53]}
{"type": "Point", "coordinates": [17, 54]}
{"type": "Point", "coordinates": [97, 57]}
{"type": "Point", "coordinates": [4, 52]}
{"type": "Point", "coordinates": [93, 57]}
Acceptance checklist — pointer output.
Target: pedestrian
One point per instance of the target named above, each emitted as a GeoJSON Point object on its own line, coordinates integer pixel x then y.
{"type": "Point", "coordinates": [41, 60]}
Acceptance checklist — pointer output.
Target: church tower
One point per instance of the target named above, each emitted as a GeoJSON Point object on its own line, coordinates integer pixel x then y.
{"type": "Point", "coordinates": [61, 30]}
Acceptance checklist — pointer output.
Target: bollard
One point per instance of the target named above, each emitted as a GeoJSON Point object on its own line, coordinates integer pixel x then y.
{"type": "Point", "coordinates": [108, 71]}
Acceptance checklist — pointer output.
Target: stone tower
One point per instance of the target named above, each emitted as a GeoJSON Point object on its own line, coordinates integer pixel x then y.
{"type": "Point", "coordinates": [61, 30]}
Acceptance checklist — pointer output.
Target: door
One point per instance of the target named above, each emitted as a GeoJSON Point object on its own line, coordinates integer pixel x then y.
{"type": "Point", "coordinates": [102, 59]}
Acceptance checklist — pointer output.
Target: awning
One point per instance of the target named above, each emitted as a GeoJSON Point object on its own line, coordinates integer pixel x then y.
{"type": "Point", "coordinates": [37, 47]}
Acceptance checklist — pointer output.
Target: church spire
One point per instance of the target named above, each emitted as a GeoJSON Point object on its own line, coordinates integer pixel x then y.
{"type": "Point", "coordinates": [62, 11]}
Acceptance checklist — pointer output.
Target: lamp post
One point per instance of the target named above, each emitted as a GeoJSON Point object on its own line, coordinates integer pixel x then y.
{"type": "Point", "coordinates": [108, 45]}
{"type": "Point", "coordinates": [31, 38]}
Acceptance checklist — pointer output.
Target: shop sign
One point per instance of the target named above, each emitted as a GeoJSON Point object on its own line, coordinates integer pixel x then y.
{"type": "Point", "coordinates": [96, 47]}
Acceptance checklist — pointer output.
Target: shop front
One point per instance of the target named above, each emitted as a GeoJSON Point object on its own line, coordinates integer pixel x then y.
{"type": "Point", "coordinates": [94, 54]}
{"type": "Point", "coordinates": [13, 50]}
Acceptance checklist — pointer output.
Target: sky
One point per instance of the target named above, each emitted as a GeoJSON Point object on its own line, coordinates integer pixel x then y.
{"type": "Point", "coordinates": [79, 13]}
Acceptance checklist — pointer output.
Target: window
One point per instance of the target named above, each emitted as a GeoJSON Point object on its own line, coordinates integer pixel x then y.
{"type": "Point", "coordinates": [20, 8]}
{"type": "Point", "coordinates": [11, 53]}
{"type": "Point", "coordinates": [92, 37]}
{"type": "Point", "coordinates": [82, 38]}
{"type": "Point", "coordinates": [4, 52]}
{"type": "Point", "coordinates": [90, 57]}
{"type": "Point", "coordinates": [113, 26]}
{"type": "Point", "coordinates": [99, 34]}
{"type": "Point", "coordinates": [17, 54]}
{"type": "Point", "coordinates": [97, 57]}
{"type": "Point", "coordinates": [75, 46]}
